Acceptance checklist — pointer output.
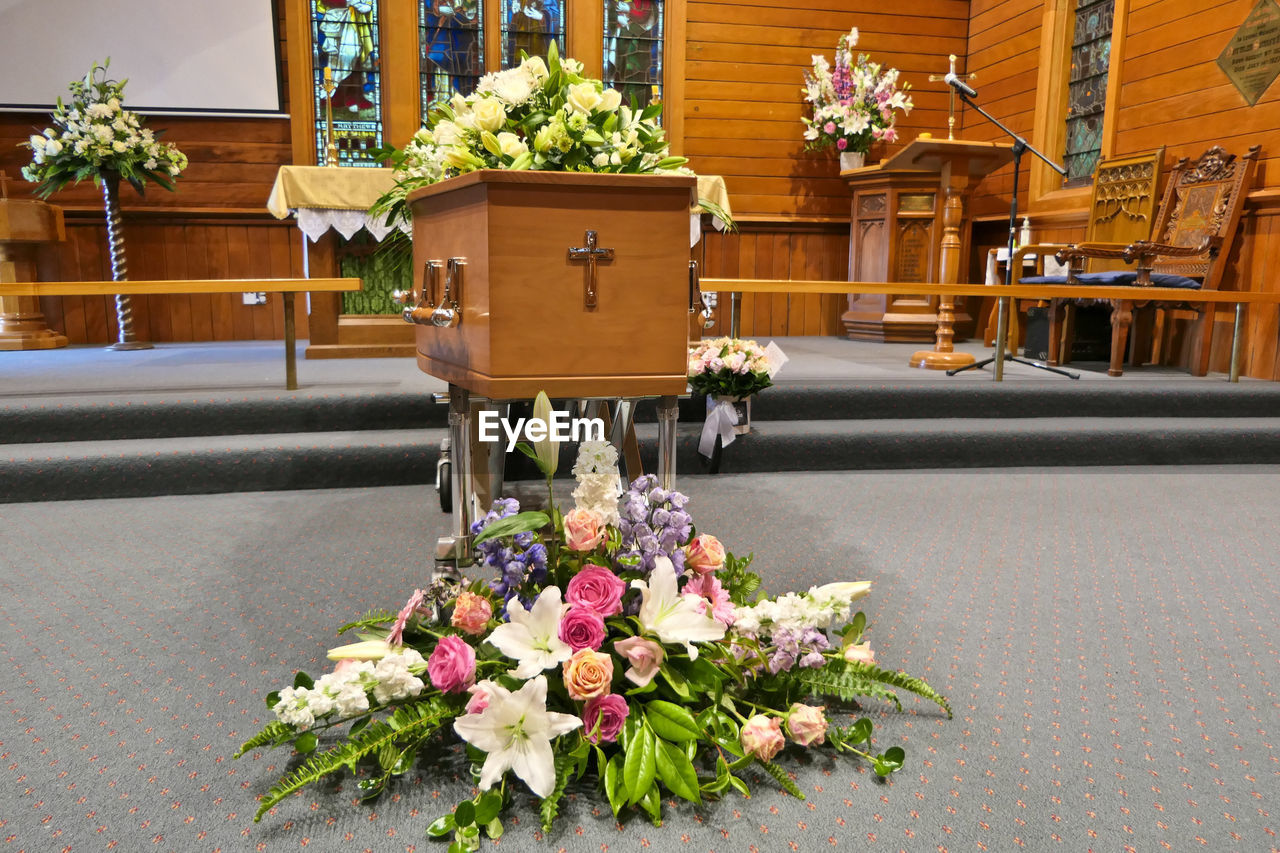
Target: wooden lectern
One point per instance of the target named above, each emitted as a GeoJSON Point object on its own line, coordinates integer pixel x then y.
{"type": "Point", "coordinates": [24, 225]}
{"type": "Point", "coordinates": [906, 223]}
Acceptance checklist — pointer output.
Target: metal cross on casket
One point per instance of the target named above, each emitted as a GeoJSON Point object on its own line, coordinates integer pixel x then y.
{"type": "Point", "coordinates": [591, 254]}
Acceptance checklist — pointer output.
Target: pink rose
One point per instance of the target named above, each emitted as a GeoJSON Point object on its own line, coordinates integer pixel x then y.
{"type": "Point", "coordinates": [709, 587]}
{"type": "Point", "coordinates": [806, 724]}
{"type": "Point", "coordinates": [704, 554]}
{"type": "Point", "coordinates": [471, 613]}
{"type": "Point", "coordinates": [861, 653]}
{"type": "Point", "coordinates": [762, 737]}
{"type": "Point", "coordinates": [452, 665]}
{"type": "Point", "coordinates": [587, 674]}
{"type": "Point", "coordinates": [583, 529]}
{"type": "Point", "coordinates": [598, 588]}
{"type": "Point", "coordinates": [645, 657]}
{"type": "Point", "coordinates": [582, 628]}
{"type": "Point", "coordinates": [842, 144]}
{"type": "Point", "coordinates": [609, 712]}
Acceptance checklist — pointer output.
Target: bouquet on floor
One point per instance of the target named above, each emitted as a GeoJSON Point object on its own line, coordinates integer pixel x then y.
{"type": "Point", "coordinates": [732, 367]}
{"type": "Point", "coordinates": [95, 135]}
{"type": "Point", "coordinates": [854, 103]}
{"type": "Point", "coordinates": [614, 642]}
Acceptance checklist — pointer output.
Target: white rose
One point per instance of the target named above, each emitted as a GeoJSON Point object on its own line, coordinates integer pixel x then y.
{"type": "Point", "coordinates": [513, 86]}
{"type": "Point", "coordinates": [465, 121]}
{"type": "Point", "coordinates": [114, 105]}
{"type": "Point", "coordinates": [512, 145]}
{"type": "Point", "coordinates": [37, 143]}
{"type": "Point", "coordinates": [52, 148]}
{"type": "Point", "coordinates": [583, 98]}
{"type": "Point", "coordinates": [535, 68]}
{"type": "Point", "coordinates": [489, 114]}
{"type": "Point", "coordinates": [610, 100]}
{"type": "Point", "coordinates": [447, 133]}
{"type": "Point", "coordinates": [119, 146]}
{"type": "Point", "coordinates": [600, 160]}
{"type": "Point", "coordinates": [150, 164]}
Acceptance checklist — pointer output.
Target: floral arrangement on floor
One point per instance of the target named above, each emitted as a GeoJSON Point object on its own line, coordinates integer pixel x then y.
{"type": "Point", "coordinates": [854, 103]}
{"type": "Point", "coordinates": [731, 367]}
{"type": "Point", "coordinates": [94, 136]}
{"type": "Point", "coordinates": [614, 642]}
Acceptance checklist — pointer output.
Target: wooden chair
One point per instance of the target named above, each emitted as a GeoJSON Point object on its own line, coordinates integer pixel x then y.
{"type": "Point", "coordinates": [1191, 239]}
{"type": "Point", "coordinates": [1121, 211]}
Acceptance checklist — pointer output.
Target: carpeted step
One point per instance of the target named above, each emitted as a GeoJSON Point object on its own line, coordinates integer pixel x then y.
{"type": "Point", "coordinates": [164, 416]}
{"type": "Point", "coordinates": [76, 470]}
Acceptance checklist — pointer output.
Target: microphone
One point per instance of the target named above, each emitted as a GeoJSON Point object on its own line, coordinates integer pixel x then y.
{"type": "Point", "coordinates": [959, 85]}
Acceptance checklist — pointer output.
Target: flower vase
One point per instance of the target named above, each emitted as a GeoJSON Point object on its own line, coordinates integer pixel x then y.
{"type": "Point", "coordinates": [852, 160]}
{"type": "Point", "coordinates": [125, 338]}
{"type": "Point", "coordinates": [742, 408]}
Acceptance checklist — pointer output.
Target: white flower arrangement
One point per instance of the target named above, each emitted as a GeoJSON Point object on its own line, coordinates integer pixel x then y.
{"type": "Point", "coordinates": [729, 367]}
{"type": "Point", "coordinates": [854, 104]}
{"type": "Point", "coordinates": [95, 136]}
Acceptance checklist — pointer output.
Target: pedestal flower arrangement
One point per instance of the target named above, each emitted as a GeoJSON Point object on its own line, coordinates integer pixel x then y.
{"type": "Point", "coordinates": [95, 137]}
{"type": "Point", "coordinates": [854, 103]}
{"type": "Point", "coordinates": [614, 642]}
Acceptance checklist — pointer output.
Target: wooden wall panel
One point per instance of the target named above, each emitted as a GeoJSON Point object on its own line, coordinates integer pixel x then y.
{"type": "Point", "coordinates": [743, 90]}
{"type": "Point", "coordinates": [784, 250]}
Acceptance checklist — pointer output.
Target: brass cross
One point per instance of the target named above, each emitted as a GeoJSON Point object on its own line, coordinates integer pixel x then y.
{"type": "Point", "coordinates": [591, 254]}
{"type": "Point", "coordinates": [951, 98]}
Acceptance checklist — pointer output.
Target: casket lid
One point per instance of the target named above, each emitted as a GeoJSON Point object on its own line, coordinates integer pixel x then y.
{"type": "Point", "coordinates": [583, 179]}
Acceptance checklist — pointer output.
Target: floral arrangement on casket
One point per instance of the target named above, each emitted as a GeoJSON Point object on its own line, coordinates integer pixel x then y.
{"type": "Point", "coordinates": [95, 137]}
{"type": "Point", "coordinates": [854, 103]}
{"type": "Point", "coordinates": [615, 640]}
{"type": "Point", "coordinates": [541, 115]}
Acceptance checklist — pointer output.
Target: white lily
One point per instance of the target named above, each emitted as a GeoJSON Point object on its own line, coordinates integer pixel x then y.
{"type": "Point", "coordinates": [669, 615]}
{"type": "Point", "coordinates": [842, 591]}
{"type": "Point", "coordinates": [532, 636]}
{"type": "Point", "coordinates": [546, 448]}
{"type": "Point", "coordinates": [515, 731]}
{"type": "Point", "coordinates": [374, 650]}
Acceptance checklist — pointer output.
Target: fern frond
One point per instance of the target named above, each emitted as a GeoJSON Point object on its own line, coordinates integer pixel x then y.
{"type": "Point", "coordinates": [849, 680]}
{"type": "Point", "coordinates": [551, 805]}
{"type": "Point", "coordinates": [409, 722]}
{"type": "Point", "coordinates": [272, 735]}
{"type": "Point", "coordinates": [372, 619]}
{"type": "Point", "coordinates": [783, 779]}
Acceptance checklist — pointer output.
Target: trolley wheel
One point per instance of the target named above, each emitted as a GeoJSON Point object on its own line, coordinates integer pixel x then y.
{"type": "Point", "coordinates": [444, 485]}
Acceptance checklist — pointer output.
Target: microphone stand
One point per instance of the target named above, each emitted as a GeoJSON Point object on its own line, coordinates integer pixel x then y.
{"type": "Point", "coordinates": [1002, 302]}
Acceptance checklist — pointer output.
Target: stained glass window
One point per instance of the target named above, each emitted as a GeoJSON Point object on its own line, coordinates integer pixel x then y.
{"type": "Point", "coordinates": [1087, 90]}
{"type": "Point", "coordinates": [451, 35]}
{"type": "Point", "coordinates": [633, 48]}
{"type": "Point", "coordinates": [531, 26]}
{"type": "Point", "coordinates": [345, 41]}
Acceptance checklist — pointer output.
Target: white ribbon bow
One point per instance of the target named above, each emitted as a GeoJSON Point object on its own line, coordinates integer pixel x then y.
{"type": "Point", "coordinates": [721, 419]}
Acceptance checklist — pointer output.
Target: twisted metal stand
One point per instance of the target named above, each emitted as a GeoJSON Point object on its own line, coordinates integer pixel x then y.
{"type": "Point", "coordinates": [125, 338]}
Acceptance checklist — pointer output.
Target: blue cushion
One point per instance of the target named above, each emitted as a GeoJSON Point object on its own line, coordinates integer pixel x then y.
{"type": "Point", "coordinates": [1118, 278]}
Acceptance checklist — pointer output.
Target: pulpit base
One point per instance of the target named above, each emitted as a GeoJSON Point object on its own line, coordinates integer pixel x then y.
{"type": "Point", "coordinates": [933, 360]}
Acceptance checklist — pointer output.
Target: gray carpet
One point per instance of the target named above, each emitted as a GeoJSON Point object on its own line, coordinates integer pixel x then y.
{"type": "Point", "coordinates": [1107, 637]}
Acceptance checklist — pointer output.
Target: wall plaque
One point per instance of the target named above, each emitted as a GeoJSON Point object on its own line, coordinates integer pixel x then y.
{"type": "Point", "coordinates": [1251, 60]}
{"type": "Point", "coordinates": [913, 251]}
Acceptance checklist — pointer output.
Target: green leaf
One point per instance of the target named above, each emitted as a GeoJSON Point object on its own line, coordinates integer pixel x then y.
{"type": "Point", "coordinates": [301, 679]}
{"type": "Point", "coordinates": [671, 722]}
{"type": "Point", "coordinates": [890, 761]}
{"type": "Point", "coordinates": [465, 814]}
{"type": "Point", "coordinates": [614, 790]}
{"type": "Point", "coordinates": [306, 743]}
{"type": "Point", "coordinates": [677, 681]}
{"type": "Point", "coordinates": [550, 806]}
{"type": "Point", "coordinates": [783, 779]}
{"type": "Point", "coordinates": [273, 734]}
{"type": "Point", "coordinates": [273, 698]}
{"type": "Point", "coordinates": [372, 619]}
{"type": "Point", "coordinates": [441, 826]}
{"type": "Point", "coordinates": [739, 785]}
{"type": "Point", "coordinates": [640, 765]}
{"type": "Point", "coordinates": [494, 828]}
{"type": "Point", "coordinates": [524, 522]}
{"type": "Point", "coordinates": [488, 807]}
{"type": "Point", "coordinates": [847, 681]}
{"type": "Point", "coordinates": [371, 789]}
{"type": "Point", "coordinates": [676, 772]}
{"type": "Point", "coordinates": [652, 804]}
{"type": "Point", "coordinates": [358, 726]}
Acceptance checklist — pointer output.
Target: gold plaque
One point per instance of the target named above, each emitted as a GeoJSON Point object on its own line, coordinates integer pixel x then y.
{"type": "Point", "coordinates": [1251, 60]}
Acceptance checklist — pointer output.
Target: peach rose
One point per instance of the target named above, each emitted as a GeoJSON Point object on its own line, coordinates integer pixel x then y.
{"type": "Point", "coordinates": [471, 613]}
{"type": "Point", "coordinates": [587, 674]}
{"type": "Point", "coordinates": [583, 529]}
{"type": "Point", "coordinates": [762, 737]}
{"type": "Point", "coordinates": [704, 554]}
{"type": "Point", "coordinates": [807, 724]}
{"type": "Point", "coordinates": [861, 653]}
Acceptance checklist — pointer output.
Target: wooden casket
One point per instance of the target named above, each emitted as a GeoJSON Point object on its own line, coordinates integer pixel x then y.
{"type": "Point", "coordinates": [535, 302]}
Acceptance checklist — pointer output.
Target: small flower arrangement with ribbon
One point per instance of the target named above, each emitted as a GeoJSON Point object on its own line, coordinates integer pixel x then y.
{"type": "Point", "coordinates": [614, 642]}
{"type": "Point", "coordinates": [729, 371]}
{"type": "Point", "coordinates": [95, 136]}
{"type": "Point", "coordinates": [854, 103]}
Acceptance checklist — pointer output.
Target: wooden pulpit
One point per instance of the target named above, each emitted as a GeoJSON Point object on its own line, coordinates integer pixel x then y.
{"type": "Point", "coordinates": [907, 219]}
{"type": "Point", "coordinates": [24, 226]}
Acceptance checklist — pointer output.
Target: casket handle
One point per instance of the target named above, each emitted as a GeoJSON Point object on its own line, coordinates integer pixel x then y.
{"type": "Point", "coordinates": [695, 290]}
{"type": "Point", "coordinates": [421, 313]}
{"type": "Point", "coordinates": [449, 312]}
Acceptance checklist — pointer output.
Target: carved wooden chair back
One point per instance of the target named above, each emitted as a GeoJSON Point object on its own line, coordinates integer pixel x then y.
{"type": "Point", "coordinates": [1201, 207]}
{"type": "Point", "coordinates": [1123, 204]}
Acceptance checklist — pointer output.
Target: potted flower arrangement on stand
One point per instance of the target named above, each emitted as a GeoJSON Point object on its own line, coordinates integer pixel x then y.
{"type": "Point", "coordinates": [96, 137]}
{"type": "Point", "coordinates": [854, 104]}
{"type": "Point", "coordinates": [730, 371]}
{"type": "Point", "coordinates": [615, 643]}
